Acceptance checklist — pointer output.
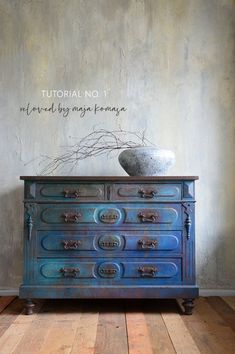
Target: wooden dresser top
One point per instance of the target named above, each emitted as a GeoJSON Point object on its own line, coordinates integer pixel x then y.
{"type": "Point", "coordinates": [108, 178]}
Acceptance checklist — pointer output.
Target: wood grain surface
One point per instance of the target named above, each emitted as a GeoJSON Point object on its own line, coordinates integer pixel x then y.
{"type": "Point", "coordinates": [117, 327]}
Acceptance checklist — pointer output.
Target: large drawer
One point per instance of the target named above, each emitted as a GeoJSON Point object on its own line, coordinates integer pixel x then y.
{"type": "Point", "coordinates": [109, 244]}
{"type": "Point", "coordinates": [164, 216]}
{"type": "Point", "coordinates": [70, 191]}
{"type": "Point", "coordinates": [110, 272]}
{"type": "Point", "coordinates": [146, 191]}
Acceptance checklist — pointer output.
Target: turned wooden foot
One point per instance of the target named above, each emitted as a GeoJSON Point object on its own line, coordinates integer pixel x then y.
{"type": "Point", "coordinates": [188, 305]}
{"type": "Point", "coordinates": [29, 305]}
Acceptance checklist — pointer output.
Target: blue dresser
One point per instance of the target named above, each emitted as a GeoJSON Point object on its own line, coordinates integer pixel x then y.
{"type": "Point", "coordinates": [109, 237]}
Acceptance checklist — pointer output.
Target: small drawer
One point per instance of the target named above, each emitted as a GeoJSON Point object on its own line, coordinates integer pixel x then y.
{"type": "Point", "coordinates": [82, 244]}
{"type": "Point", "coordinates": [68, 214]}
{"type": "Point", "coordinates": [70, 191]}
{"type": "Point", "coordinates": [146, 192]}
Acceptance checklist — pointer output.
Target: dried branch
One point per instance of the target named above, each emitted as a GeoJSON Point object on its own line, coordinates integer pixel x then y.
{"type": "Point", "coordinates": [96, 143]}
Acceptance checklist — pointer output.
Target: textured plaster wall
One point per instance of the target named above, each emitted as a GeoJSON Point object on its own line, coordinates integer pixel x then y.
{"type": "Point", "coordinates": [170, 62]}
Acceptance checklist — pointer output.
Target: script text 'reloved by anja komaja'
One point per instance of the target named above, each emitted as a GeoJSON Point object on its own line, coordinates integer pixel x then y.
{"type": "Point", "coordinates": [64, 111]}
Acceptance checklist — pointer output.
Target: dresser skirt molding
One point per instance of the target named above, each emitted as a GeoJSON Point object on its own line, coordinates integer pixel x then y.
{"type": "Point", "coordinates": [115, 292]}
{"type": "Point", "coordinates": [202, 292]}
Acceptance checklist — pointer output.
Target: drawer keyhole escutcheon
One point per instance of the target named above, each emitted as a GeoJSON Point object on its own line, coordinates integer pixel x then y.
{"type": "Point", "coordinates": [109, 242]}
{"type": "Point", "coordinates": [71, 244]}
{"type": "Point", "coordinates": [109, 216]}
{"type": "Point", "coordinates": [148, 244]}
{"type": "Point", "coordinates": [70, 272]}
{"type": "Point", "coordinates": [71, 217]}
{"type": "Point", "coordinates": [147, 194]}
{"type": "Point", "coordinates": [148, 217]}
{"type": "Point", "coordinates": [108, 271]}
{"type": "Point", "coordinates": [71, 194]}
{"type": "Point", "coordinates": [147, 271]}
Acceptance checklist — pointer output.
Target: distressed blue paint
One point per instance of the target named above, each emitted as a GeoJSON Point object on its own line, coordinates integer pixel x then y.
{"type": "Point", "coordinates": [70, 191]}
{"type": "Point", "coordinates": [48, 271]}
{"type": "Point", "coordinates": [107, 291]}
{"type": "Point", "coordinates": [145, 191]}
{"type": "Point", "coordinates": [111, 237]}
{"type": "Point", "coordinates": [168, 216]}
{"type": "Point", "coordinates": [51, 243]}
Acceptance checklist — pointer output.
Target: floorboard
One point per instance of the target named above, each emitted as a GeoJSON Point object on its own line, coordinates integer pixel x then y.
{"type": "Point", "coordinates": [224, 310]}
{"type": "Point", "coordinates": [20, 325]}
{"type": "Point", "coordinates": [158, 334]}
{"type": "Point", "coordinates": [211, 333]}
{"type": "Point", "coordinates": [137, 332]}
{"type": "Point", "coordinates": [9, 314]}
{"type": "Point", "coordinates": [230, 300]}
{"type": "Point", "coordinates": [111, 331]}
{"type": "Point", "coordinates": [85, 337]}
{"type": "Point", "coordinates": [5, 301]}
{"type": "Point", "coordinates": [180, 336]}
{"type": "Point", "coordinates": [117, 327]}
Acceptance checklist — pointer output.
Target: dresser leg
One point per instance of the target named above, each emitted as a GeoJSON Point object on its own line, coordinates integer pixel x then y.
{"type": "Point", "coordinates": [29, 305]}
{"type": "Point", "coordinates": [188, 305]}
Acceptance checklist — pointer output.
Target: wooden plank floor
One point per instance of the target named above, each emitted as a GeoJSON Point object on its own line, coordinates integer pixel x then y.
{"type": "Point", "coordinates": [117, 327]}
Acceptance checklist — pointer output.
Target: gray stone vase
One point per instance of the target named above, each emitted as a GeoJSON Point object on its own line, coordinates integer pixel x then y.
{"type": "Point", "coordinates": [146, 161]}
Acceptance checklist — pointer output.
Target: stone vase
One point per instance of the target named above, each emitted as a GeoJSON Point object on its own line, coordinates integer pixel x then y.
{"type": "Point", "coordinates": [146, 161]}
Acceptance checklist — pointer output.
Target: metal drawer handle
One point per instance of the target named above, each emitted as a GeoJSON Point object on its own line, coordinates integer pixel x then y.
{"type": "Point", "coordinates": [71, 194]}
{"type": "Point", "coordinates": [70, 272]}
{"type": "Point", "coordinates": [71, 217]}
{"type": "Point", "coordinates": [71, 244]}
{"type": "Point", "coordinates": [147, 193]}
{"type": "Point", "coordinates": [148, 272]}
{"type": "Point", "coordinates": [147, 217]}
{"type": "Point", "coordinates": [148, 244]}
{"type": "Point", "coordinates": [108, 271]}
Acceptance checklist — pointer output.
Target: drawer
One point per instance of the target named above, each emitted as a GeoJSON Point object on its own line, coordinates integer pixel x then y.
{"type": "Point", "coordinates": [110, 244]}
{"type": "Point", "coordinates": [109, 272]}
{"type": "Point", "coordinates": [70, 191]}
{"type": "Point", "coordinates": [68, 214]}
{"type": "Point", "coordinates": [146, 191]}
{"type": "Point", "coordinates": [162, 216]}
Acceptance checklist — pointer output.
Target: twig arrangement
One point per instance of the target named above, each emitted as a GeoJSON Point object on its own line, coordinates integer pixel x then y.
{"type": "Point", "coordinates": [98, 142]}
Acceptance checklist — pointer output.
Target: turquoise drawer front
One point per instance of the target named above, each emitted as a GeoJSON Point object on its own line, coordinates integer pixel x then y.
{"type": "Point", "coordinates": [68, 214]}
{"type": "Point", "coordinates": [104, 215]}
{"type": "Point", "coordinates": [115, 272]}
{"type": "Point", "coordinates": [70, 191]}
{"type": "Point", "coordinates": [66, 270]}
{"type": "Point", "coordinates": [155, 214]}
{"type": "Point", "coordinates": [146, 192]}
{"type": "Point", "coordinates": [158, 269]}
{"type": "Point", "coordinates": [95, 244]}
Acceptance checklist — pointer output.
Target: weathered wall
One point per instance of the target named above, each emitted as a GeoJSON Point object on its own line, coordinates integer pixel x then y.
{"type": "Point", "coordinates": [170, 62]}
